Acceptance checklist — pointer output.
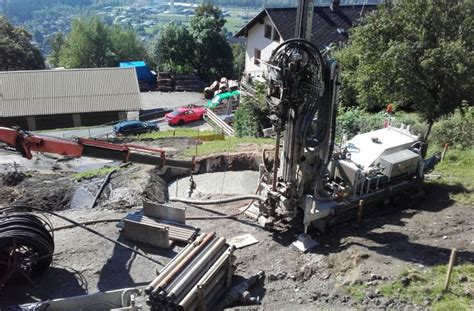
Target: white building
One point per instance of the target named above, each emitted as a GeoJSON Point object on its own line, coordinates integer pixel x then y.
{"type": "Point", "coordinates": [273, 26]}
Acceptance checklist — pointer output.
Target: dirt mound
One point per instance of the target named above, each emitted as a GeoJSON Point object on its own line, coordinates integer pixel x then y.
{"type": "Point", "coordinates": [52, 193]}
{"type": "Point", "coordinates": [12, 179]}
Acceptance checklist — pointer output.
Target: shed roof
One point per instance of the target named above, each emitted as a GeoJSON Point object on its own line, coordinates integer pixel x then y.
{"type": "Point", "coordinates": [326, 22]}
{"type": "Point", "coordinates": [48, 92]}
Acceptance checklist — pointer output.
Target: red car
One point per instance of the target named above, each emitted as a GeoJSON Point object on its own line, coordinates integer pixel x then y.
{"type": "Point", "coordinates": [184, 115]}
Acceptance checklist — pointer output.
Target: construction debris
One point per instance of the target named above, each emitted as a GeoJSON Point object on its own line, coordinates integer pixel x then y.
{"type": "Point", "coordinates": [240, 293]}
{"type": "Point", "coordinates": [195, 278]}
{"type": "Point", "coordinates": [164, 82]}
{"type": "Point", "coordinates": [188, 83]}
{"type": "Point", "coordinates": [222, 86]}
{"type": "Point", "coordinates": [242, 241]}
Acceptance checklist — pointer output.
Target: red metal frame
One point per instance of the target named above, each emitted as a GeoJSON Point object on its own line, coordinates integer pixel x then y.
{"type": "Point", "coordinates": [25, 143]}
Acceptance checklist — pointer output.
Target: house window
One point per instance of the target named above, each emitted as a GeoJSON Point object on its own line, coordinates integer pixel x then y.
{"type": "Point", "coordinates": [268, 31]}
{"type": "Point", "coordinates": [276, 35]}
{"type": "Point", "coordinates": [256, 59]}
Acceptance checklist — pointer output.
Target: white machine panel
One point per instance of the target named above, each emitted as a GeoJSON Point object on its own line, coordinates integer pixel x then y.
{"type": "Point", "coordinates": [366, 149]}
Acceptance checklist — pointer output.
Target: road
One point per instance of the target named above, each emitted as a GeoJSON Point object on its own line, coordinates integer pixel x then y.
{"type": "Point", "coordinates": [149, 100]}
{"type": "Point", "coordinates": [107, 131]}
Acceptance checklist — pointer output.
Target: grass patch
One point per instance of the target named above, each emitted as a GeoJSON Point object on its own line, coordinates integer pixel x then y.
{"type": "Point", "coordinates": [356, 292]}
{"type": "Point", "coordinates": [230, 144]}
{"type": "Point", "coordinates": [178, 132]}
{"type": "Point", "coordinates": [456, 171]}
{"type": "Point", "coordinates": [99, 172]}
{"type": "Point", "coordinates": [427, 284]}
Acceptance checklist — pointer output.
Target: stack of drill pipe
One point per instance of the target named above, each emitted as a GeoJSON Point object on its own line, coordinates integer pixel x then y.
{"type": "Point", "coordinates": [177, 232]}
{"type": "Point", "coordinates": [195, 278]}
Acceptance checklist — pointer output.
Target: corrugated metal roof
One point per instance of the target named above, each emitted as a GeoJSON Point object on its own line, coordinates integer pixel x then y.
{"type": "Point", "coordinates": [46, 92]}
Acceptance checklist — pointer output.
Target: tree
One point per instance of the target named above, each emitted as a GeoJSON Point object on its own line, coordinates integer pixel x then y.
{"type": "Point", "coordinates": [252, 115]}
{"type": "Point", "coordinates": [56, 42]}
{"type": "Point", "coordinates": [174, 49]}
{"type": "Point", "coordinates": [16, 50]}
{"type": "Point", "coordinates": [416, 53]}
{"type": "Point", "coordinates": [125, 45]}
{"type": "Point", "coordinates": [238, 52]}
{"type": "Point", "coordinates": [213, 56]}
{"type": "Point", "coordinates": [92, 44]}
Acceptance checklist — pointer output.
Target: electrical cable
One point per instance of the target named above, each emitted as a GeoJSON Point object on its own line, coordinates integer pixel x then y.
{"type": "Point", "coordinates": [90, 222]}
{"type": "Point", "coordinates": [12, 207]}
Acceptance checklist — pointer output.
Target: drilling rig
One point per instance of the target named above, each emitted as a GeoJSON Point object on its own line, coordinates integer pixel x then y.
{"type": "Point", "coordinates": [314, 178]}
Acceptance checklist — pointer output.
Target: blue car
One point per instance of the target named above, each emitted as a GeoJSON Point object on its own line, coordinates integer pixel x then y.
{"type": "Point", "coordinates": [134, 127]}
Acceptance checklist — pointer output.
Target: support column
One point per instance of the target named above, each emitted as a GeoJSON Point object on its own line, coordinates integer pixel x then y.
{"type": "Point", "coordinates": [31, 121]}
{"type": "Point", "coordinates": [76, 119]}
{"type": "Point", "coordinates": [122, 115]}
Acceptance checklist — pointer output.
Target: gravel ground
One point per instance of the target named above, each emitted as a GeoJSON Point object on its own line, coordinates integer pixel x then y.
{"type": "Point", "coordinates": [419, 235]}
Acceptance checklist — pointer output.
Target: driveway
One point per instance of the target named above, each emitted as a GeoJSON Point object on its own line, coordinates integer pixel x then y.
{"type": "Point", "coordinates": [149, 100]}
{"type": "Point", "coordinates": [152, 100]}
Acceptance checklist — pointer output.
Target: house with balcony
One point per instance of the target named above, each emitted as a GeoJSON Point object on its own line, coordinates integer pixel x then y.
{"type": "Point", "coordinates": [273, 26]}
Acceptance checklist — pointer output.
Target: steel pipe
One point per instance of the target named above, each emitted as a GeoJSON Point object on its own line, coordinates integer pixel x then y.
{"type": "Point", "coordinates": [162, 295]}
{"type": "Point", "coordinates": [186, 302]}
{"type": "Point", "coordinates": [173, 263]}
{"type": "Point", "coordinates": [176, 270]}
{"type": "Point", "coordinates": [197, 268]}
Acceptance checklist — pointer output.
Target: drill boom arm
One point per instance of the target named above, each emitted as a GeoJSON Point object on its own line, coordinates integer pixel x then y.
{"type": "Point", "coordinates": [25, 143]}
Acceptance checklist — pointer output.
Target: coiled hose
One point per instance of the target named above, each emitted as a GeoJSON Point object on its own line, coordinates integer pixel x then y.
{"type": "Point", "coordinates": [26, 246]}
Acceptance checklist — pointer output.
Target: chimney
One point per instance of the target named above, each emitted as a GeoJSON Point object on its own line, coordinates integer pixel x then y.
{"type": "Point", "coordinates": [335, 5]}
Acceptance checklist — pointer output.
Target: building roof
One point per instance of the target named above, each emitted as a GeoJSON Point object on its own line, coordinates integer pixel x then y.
{"type": "Point", "coordinates": [47, 92]}
{"type": "Point", "coordinates": [328, 25]}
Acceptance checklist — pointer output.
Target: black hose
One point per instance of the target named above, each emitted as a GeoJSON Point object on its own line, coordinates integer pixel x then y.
{"type": "Point", "coordinates": [12, 207]}
{"type": "Point", "coordinates": [26, 246]}
{"type": "Point", "coordinates": [226, 200]}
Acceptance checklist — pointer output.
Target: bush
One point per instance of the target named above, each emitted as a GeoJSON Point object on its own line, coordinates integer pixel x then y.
{"type": "Point", "coordinates": [252, 115]}
{"type": "Point", "coordinates": [456, 129]}
{"type": "Point", "coordinates": [352, 121]}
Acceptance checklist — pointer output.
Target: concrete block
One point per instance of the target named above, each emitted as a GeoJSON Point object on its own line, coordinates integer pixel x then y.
{"type": "Point", "coordinates": [31, 121]}
{"type": "Point", "coordinates": [164, 212]}
{"type": "Point", "coordinates": [76, 119]}
{"type": "Point", "coordinates": [146, 233]}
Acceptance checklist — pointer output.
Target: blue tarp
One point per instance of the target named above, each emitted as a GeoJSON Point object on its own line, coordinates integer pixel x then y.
{"type": "Point", "coordinates": [143, 71]}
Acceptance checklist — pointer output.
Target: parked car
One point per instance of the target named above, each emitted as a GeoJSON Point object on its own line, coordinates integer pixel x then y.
{"type": "Point", "coordinates": [184, 115]}
{"type": "Point", "coordinates": [155, 113]}
{"type": "Point", "coordinates": [134, 127]}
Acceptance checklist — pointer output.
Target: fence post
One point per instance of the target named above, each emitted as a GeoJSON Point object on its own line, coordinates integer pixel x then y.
{"type": "Point", "coordinates": [452, 259]}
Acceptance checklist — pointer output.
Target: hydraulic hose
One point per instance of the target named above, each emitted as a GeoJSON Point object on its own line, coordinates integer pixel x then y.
{"type": "Point", "coordinates": [26, 246]}
{"type": "Point", "coordinates": [221, 201]}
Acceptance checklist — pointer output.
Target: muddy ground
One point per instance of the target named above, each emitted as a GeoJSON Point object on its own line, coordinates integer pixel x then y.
{"type": "Point", "coordinates": [418, 232]}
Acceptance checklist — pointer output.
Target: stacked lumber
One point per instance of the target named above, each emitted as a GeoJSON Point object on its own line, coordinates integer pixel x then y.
{"type": "Point", "coordinates": [188, 83]}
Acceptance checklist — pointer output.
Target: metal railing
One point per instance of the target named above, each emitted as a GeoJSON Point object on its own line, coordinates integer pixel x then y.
{"type": "Point", "coordinates": [216, 121]}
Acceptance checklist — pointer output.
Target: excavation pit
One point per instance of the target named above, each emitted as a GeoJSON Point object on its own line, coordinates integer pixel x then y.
{"type": "Point", "coordinates": [219, 183]}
